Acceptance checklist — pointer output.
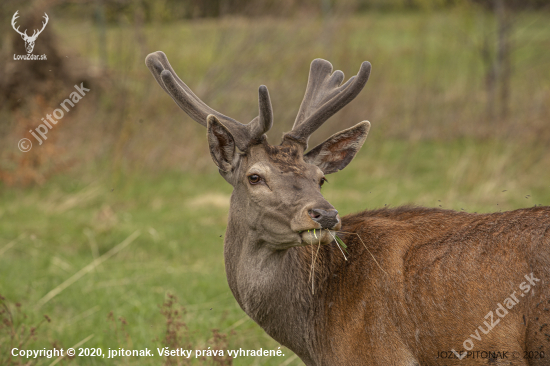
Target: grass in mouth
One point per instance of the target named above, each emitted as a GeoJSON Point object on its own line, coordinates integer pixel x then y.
{"type": "Point", "coordinates": [341, 242]}
{"type": "Point", "coordinates": [342, 246]}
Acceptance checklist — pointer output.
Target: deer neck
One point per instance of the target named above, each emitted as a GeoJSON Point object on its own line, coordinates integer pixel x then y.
{"type": "Point", "coordinates": [271, 286]}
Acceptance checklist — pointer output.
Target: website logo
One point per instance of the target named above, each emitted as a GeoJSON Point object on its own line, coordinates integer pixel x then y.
{"type": "Point", "coordinates": [29, 40]}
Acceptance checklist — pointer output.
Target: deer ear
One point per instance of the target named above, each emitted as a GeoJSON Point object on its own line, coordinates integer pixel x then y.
{"type": "Point", "coordinates": [221, 143]}
{"type": "Point", "coordinates": [338, 150]}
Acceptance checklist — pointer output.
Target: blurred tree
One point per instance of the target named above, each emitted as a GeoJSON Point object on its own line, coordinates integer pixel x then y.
{"type": "Point", "coordinates": [496, 52]}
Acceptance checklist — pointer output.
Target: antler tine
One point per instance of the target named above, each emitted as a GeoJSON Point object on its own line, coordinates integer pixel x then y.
{"type": "Point", "coordinates": [324, 97]}
{"type": "Point", "coordinates": [44, 23]}
{"type": "Point", "coordinates": [264, 121]}
{"type": "Point", "coordinates": [167, 78]}
{"type": "Point", "coordinates": [15, 16]}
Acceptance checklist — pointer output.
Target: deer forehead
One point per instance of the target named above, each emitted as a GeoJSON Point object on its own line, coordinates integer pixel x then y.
{"type": "Point", "coordinates": [275, 160]}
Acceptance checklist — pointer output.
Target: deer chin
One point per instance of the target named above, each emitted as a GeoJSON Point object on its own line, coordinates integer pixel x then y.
{"type": "Point", "coordinates": [317, 236]}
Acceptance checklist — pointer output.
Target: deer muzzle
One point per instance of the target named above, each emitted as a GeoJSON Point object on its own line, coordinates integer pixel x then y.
{"type": "Point", "coordinates": [327, 219]}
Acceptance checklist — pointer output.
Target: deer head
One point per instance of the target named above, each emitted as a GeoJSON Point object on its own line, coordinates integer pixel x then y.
{"type": "Point", "coordinates": [277, 189]}
{"type": "Point", "coordinates": [29, 41]}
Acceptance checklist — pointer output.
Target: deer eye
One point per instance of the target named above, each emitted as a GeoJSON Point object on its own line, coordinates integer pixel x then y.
{"type": "Point", "coordinates": [323, 180]}
{"type": "Point", "coordinates": [254, 179]}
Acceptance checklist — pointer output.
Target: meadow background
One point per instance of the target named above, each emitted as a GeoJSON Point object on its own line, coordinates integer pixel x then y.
{"type": "Point", "coordinates": [114, 226]}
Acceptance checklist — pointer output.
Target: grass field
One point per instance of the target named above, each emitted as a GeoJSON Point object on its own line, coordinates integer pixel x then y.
{"type": "Point", "coordinates": [50, 233]}
{"type": "Point", "coordinates": [154, 182]}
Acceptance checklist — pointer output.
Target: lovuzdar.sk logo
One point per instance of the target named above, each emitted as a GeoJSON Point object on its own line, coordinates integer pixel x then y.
{"type": "Point", "coordinates": [29, 40]}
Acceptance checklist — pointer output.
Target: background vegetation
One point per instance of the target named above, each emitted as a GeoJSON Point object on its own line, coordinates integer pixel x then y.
{"type": "Point", "coordinates": [121, 208]}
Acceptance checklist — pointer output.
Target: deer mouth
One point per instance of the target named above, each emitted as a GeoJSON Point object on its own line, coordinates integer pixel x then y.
{"type": "Point", "coordinates": [317, 236]}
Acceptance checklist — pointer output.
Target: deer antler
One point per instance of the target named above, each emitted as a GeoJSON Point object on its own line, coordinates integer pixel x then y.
{"type": "Point", "coordinates": [15, 16]}
{"type": "Point", "coordinates": [324, 97]}
{"type": "Point", "coordinates": [167, 78]}
{"type": "Point", "coordinates": [35, 34]}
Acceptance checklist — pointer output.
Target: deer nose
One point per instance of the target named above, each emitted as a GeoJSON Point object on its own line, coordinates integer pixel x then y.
{"type": "Point", "coordinates": [327, 219]}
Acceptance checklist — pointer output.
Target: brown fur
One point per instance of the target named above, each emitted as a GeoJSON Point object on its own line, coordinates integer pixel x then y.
{"type": "Point", "coordinates": [288, 158]}
{"type": "Point", "coordinates": [445, 271]}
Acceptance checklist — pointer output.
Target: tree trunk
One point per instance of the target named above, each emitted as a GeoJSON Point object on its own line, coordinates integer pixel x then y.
{"type": "Point", "coordinates": [502, 57]}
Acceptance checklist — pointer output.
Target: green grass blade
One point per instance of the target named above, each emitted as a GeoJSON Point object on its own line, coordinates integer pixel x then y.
{"type": "Point", "coordinates": [342, 244]}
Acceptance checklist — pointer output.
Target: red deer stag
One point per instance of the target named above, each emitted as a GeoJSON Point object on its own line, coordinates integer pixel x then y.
{"type": "Point", "coordinates": [420, 286]}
